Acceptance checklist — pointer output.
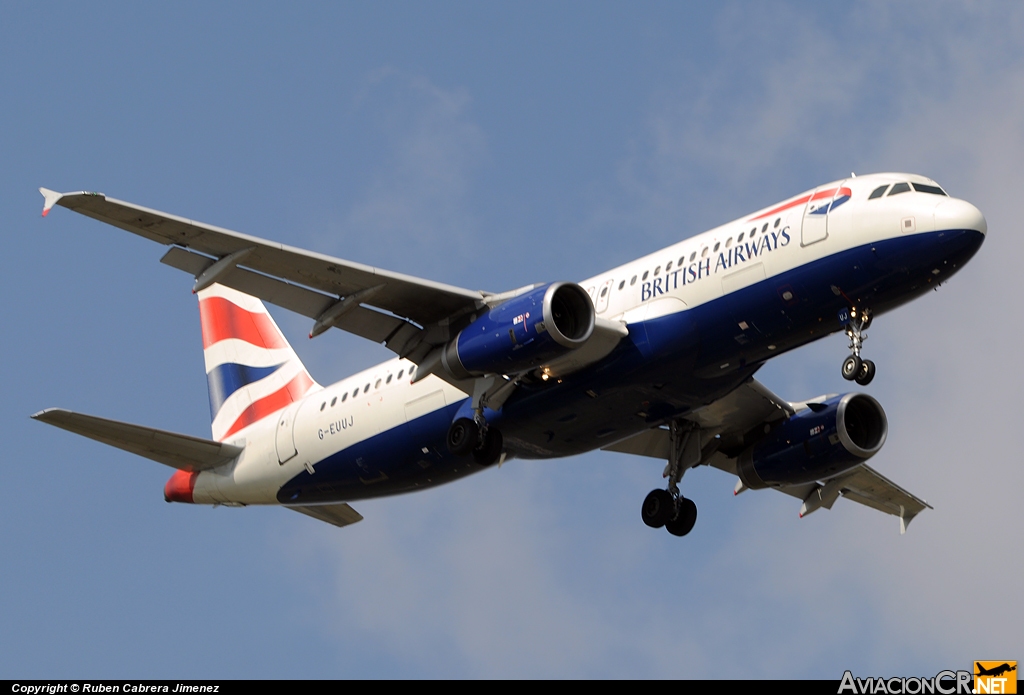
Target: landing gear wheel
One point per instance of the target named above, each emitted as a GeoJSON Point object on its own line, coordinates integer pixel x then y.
{"type": "Point", "coordinates": [852, 367]}
{"type": "Point", "coordinates": [686, 517]}
{"type": "Point", "coordinates": [659, 508]}
{"type": "Point", "coordinates": [462, 437]}
{"type": "Point", "coordinates": [867, 373]}
{"type": "Point", "coordinates": [490, 451]}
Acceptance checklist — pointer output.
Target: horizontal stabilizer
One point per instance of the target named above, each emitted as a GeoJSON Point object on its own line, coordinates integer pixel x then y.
{"type": "Point", "coordinates": [179, 451]}
{"type": "Point", "coordinates": [336, 514]}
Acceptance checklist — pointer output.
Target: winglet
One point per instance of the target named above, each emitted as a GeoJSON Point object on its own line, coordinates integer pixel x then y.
{"type": "Point", "coordinates": [50, 199]}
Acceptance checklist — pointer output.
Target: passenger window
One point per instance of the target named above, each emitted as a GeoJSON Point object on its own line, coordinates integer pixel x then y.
{"type": "Point", "coordinates": [764, 228]}
{"type": "Point", "coordinates": [704, 253]}
{"type": "Point", "coordinates": [657, 270]}
{"type": "Point", "coordinates": [777, 220]}
{"type": "Point", "coordinates": [323, 405]}
{"type": "Point", "coordinates": [668, 267]}
{"type": "Point", "coordinates": [366, 389]}
{"type": "Point", "coordinates": [604, 291]}
{"type": "Point", "coordinates": [728, 242]}
{"type": "Point", "coordinates": [633, 281]}
{"type": "Point", "coordinates": [682, 259]}
{"type": "Point", "coordinates": [878, 192]}
{"type": "Point", "coordinates": [344, 397]}
{"type": "Point", "coordinates": [355, 393]}
{"type": "Point", "coordinates": [899, 188]}
{"type": "Point", "coordinates": [753, 232]}
{"type": "Point", "coordinates": [333, 401]}
{"type": "Point", "coordinates": [389, 379]}
{"type": "Point", "coordinates": [717, 244]}
{"type": "Point", "coordinates": [377, 385]}
{"type": "Point", "coordinates": [400, 373]}
{"type": "Point", "coordinates": [622, 284]}
{"type": "Point", "coordinates": [740, 239]}
{"type": "Point", "coordinates": [646, 273]}
{"type": "Point", "coordinates": [412, 370]}
{"type": "Point", "coordinates": [693, 256]}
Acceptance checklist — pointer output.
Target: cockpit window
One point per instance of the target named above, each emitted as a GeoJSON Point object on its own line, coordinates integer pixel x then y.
{"type": "Point", "coordinates": [899, 188]}
{"type": "Point", "coordinates": [878, 192]}
{"type": "Point", "coordinates": [925, 188]}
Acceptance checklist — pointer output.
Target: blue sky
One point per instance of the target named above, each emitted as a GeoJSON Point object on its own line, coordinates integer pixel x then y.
{"type": "Point", "coordinates": [489, 146]}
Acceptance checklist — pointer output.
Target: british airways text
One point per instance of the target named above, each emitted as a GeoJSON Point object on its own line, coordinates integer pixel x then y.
{"type": "Point", "coordinates": [725, 260]}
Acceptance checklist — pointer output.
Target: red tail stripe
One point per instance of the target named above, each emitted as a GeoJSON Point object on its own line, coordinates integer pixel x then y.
{"type": "Point", "coordinates": [268, 405]}
{"type": "Point", "coordinates": [222, 319]}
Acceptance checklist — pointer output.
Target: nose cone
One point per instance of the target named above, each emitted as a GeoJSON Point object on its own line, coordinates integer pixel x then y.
{"type": "Point", "coordinates": [954, 214]}
{"type": "Point", "coordinates": [180, 486]}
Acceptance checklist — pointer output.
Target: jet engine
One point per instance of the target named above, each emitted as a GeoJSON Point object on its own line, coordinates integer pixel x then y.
{"type": "Point", "coordinates": [523, 332]}
{"type": "Point", "coordinates": [816, 443]}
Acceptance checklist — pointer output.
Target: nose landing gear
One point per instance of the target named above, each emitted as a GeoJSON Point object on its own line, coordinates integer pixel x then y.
{"type": "Point", "coordinates": [854, 368]}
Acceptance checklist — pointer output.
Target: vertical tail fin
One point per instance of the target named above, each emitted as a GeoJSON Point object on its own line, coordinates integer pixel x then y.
{"type": "Point", "coordinates": [251, 369]}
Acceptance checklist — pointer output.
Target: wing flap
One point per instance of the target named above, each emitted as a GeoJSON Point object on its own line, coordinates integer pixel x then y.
{"type": "Point", "coordinates": [335, 514]}
{"type": "Point", "coordinates": [867, 486]}
{"type": "Point", "coordinates": [180, 451]}
{"type": "Point", "coordinates": [358, 320]}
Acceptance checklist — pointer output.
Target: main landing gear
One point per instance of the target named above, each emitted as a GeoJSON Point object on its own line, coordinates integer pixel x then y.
{"type": "Point", "coordinates": [854, 368]}
{"type": "Point", "coordinates": [468, 437]}
{"type": "Point", "coordinates": [668, 507]}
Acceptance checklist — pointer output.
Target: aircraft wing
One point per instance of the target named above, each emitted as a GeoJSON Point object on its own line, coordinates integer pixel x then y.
{"type": "Point", "coordinates": [731, 417]}
{"type": "Point", "coordinates": [752, 404]}
{"type": "Point", "coordinates": [408, 314]}
{"type": "Point", "coordinates": [179, 451]}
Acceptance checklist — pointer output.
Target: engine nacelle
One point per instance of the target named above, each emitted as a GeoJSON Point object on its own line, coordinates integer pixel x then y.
{"type": "Point", "coordinates": [817, 443]}
{"type": "Point", "coordinates": [522, 333]}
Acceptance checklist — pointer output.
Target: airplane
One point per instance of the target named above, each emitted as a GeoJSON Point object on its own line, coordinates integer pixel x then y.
{"type": "Point", "coordinates": [995, 671]}
{"type": "Point", "coordinates": [652, 358]}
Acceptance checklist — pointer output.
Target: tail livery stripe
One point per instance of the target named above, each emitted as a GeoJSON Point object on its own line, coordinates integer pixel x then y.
{"type": "Point", "coordinates": [222, 319]}
{"type": "Point", "coordinates": [251, 370]}
{"type": "Point", "coordinates": [293, 391]}
{"type": "Point", "coordinates": [225, 379]}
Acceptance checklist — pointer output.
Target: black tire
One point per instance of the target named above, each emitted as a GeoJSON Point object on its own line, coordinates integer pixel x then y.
{"type": "Point", "coordinates": [685, 518]}
{"type": "Point", "coordinates": [462, 437]}
{"type": "Point", "coordinates": [867, 373]}
{"type": "Point", "coordinates": [490, 451]}
{"type": "Point", "coordinates": [658, 508]}
{"type": "Point", "coordinates": [851, 367]}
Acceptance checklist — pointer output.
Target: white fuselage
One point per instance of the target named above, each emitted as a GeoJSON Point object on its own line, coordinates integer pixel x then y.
{"type": "Point", "coordinates": [679, 278]}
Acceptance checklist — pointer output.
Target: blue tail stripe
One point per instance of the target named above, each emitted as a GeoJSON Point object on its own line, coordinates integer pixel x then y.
{"type": "Point", "coordinates": [225, 379]}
